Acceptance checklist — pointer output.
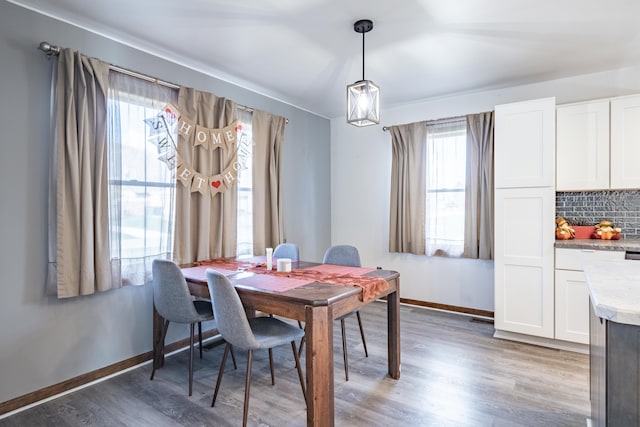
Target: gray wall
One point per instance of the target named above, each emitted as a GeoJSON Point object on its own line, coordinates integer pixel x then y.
{"type": "Point", "coordinates": [44, 341]}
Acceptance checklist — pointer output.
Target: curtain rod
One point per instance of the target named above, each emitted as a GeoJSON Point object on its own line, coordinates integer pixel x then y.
{"type": "Point", "coordinates": [52, 50]}
{"type": "Point", "coordinates": [435, 121]}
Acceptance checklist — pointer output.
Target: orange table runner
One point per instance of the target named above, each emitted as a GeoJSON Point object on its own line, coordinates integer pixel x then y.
{"type": "Point", "coordinates": [280, 281]}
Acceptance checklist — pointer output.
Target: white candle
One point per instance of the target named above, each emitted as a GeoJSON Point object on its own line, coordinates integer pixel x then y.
{"type": "Point", "coordinates": [269, 258]}
{"type": "Point", "coordinates": [284, 265]}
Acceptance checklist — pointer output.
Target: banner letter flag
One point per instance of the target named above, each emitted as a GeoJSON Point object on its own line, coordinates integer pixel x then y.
{"type": "Point", "coordinates": [217, 185]}
{"type": "Point", "coordinates": [156, 124]}
{"type": "Point", "coordinates": [230, 135]}
{"type": "Point", "coordinates": [171, 159]}
{"type": "Point", "coordinates": [202, 137]}
{"type": "Point", "coordinates": [170, 114]}
{"type": "Point", "coordinates": [229, 176]}
{"type": "Point", "coordinates": [216, 139]}
{"type": "Point", "coordinates": [243, 147]}
{"type": "Point", "coordinates": [185, 126]}
{"type": "Point", "coordinates": [163, 144]}
{"type": "Point", "coordinates": [200, 183]}
{"type": "Point", "coordinates": [185, 174]}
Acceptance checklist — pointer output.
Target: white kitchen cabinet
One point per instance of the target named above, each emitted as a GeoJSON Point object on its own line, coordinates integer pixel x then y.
{"type": "Point", "coordinates": [524, 277]}
{"type": "Point", "coordinates": [582, 146]}
{"type": "Point", "coordinates": [572, 294]}
{"type": "Point", "coordinates": [524, 144]}
{"type": "Point", "coordinates": [625, 142]}
{"type": "Point", "coordinates": [524, 215]}
{"type": "Point", "coordinates": [598, 144]}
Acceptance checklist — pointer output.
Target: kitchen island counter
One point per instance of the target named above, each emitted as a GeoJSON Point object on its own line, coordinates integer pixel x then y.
{"type": "Point", "coordinates": [614, 288]}
{"type": "Point", "coordinates": [614, 342]}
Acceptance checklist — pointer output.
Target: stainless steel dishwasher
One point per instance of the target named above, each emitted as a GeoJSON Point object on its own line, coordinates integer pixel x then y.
{"type": "Point", "coordinates": [632, 255]}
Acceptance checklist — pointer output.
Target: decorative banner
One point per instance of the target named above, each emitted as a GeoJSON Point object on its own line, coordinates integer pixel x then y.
{"type": "Point", "coordinates": [169, 122]}
{"type": "Point", "coordinates": [217, 185]}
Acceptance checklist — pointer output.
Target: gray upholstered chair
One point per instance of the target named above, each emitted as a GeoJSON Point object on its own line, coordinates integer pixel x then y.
{"type": "Point", "coordinates": [174, 303]}
{"type": "Point", "coordinates": [250, 334]}
{"type": "Point", "coordinates": [291, 251]}
{"type": "Point", "coordinates": [287, 250]}
{"type": "Point", "coordinates": [349, 256]}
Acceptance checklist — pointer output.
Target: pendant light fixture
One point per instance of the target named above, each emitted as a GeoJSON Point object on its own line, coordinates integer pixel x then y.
{"type": "Point", "coordinates": [363, 96]}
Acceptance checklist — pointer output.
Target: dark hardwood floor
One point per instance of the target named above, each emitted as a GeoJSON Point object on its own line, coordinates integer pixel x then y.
{"type": "Point", "coordinates": [453, 374]}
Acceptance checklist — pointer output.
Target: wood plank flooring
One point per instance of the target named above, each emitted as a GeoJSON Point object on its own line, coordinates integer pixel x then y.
{"type": "Point", "coordinates": [454, 373]}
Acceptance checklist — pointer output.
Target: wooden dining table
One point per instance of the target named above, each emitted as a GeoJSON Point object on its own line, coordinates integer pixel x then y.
{"type": "Point", "coordinates": [318, 304]}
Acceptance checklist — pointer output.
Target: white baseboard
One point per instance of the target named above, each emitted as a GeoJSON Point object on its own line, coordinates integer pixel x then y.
{"type": "Point", "coordinates": [544, 342]}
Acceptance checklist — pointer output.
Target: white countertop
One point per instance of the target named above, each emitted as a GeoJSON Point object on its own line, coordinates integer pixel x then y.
{"type": "Point", "coordinates": [614, 287]}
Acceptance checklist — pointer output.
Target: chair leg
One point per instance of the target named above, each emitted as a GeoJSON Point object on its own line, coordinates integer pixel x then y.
{"type": "Point", "coordinates": [344, 350]}
{"type": "Point", "coordinates": [247, 386]}
{"type": "Point", "coordinates": [200, 337]}
{"type": "Point", "coordinates": [191, 333]}
{"type": "Point", "coordinates": [300, 376]}
{"type": "Point", "coordinates": [301, 346]}
{"type": "Point", "coordinates": [273, 378]}
{"type": "Point", "coordinates": [301, 339]}
{"type": "Point", "coordinates": [364, 342]}
{"type": "Point", "coordinates": [233, 357]}
{"type": "Point", "coordinates": [220, 372]}
{"type": "Point", "coordinates": [165, 326]}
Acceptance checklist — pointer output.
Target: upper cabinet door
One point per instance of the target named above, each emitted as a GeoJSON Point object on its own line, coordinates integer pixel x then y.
{"type": "Point", "coordinates": [525, 144]}
{"type": "Point", "coordinates": [625, 142]}
{"type": "Point", "coordinates": [582, 146]}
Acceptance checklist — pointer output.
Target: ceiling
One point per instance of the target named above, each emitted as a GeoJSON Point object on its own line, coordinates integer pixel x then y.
{"type": "Point", "coordinates": [305, 52]}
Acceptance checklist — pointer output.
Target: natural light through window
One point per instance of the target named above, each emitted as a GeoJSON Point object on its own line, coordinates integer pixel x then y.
{"type": "Point", "coordinates": [141, 185]}
{"type": "Point", "coordinates": [446, 168]}
{"type": "Point", "coordinates": [145, 187]}
{"type": "Point", "coordinates": [245, 187]}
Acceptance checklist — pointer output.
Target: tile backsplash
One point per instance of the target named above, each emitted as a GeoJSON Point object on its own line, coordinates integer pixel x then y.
{"type": "Point", "coordinates": [622, 207]}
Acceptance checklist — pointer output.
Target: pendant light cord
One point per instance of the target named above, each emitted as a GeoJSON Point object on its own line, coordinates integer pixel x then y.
{"type": "Point", "coordinates": [363, 55]}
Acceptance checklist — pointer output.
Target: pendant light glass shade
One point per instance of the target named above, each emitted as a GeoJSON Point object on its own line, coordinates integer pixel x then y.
{"type": "Point", "coordinates": [363, 96]}
{"type": "Point", "coordinates": [363, 103]}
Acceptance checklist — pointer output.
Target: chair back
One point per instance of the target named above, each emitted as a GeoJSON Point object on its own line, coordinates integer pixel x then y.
{"type": "Point", "coordinates": [171, 295]}
{"type": "Point", "coordinates": [287, 250]}
{"type": "Point", "coordinates": [342, 255]}
{"type": "Point", "coordinates": [229, 311]}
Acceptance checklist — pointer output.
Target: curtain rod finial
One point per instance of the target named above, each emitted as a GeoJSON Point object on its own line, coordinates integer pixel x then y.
{"type": "Point", "coordinates": [49, 49]}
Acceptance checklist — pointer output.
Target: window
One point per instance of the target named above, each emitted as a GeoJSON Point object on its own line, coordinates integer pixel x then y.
{"type": "Point", "coordinates": [441, 193]}
{"type": "Point", "coordinates": [245, 186]}
{"type": "Point", "coordinates": [445, 186]}
{"type": "Point", "coordinates": [141, 185]}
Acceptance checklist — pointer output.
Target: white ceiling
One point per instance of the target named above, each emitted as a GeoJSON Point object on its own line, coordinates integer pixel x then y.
{"type": "Point", "coordinates": [305, 52]}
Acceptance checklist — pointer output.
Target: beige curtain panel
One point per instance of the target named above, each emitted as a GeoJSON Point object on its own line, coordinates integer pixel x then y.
{"type": "Point", "coordinates": [205, 226]}
{"type": "Point", "coordinates": [408, 188]}
{"type": "Point", "coordinates": [478, 238]}
{"type": "Point", "coordinates": [79, 251]}
{"type": "Point", "coordinates": [268, 138]}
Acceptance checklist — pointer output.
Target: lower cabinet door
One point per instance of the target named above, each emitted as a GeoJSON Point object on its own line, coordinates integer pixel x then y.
{"type": "Point", "coordinates": [572, 307]}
